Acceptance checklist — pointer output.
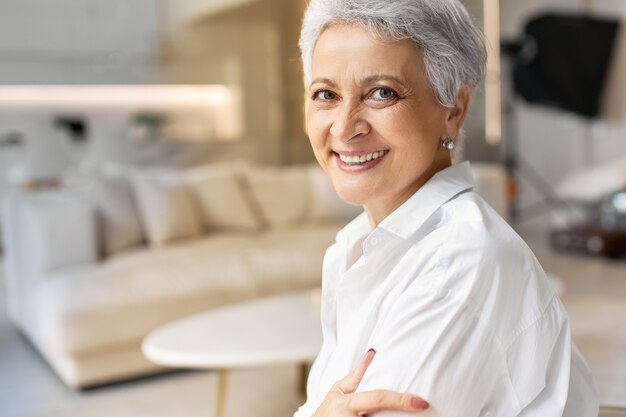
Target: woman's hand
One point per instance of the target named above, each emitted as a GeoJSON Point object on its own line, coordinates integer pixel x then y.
{"type": "Point", "coordinates": [342, 401]}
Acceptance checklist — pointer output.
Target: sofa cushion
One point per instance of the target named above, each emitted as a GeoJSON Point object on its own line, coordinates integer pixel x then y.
{"type": "Point", "coordinates": [223, 202]}
{"type": "Point", "coordinates": [167, 209]}
{"type": "Point", "coordinates": [123, 298]}
{"type": "Point", "coordinates": [291, 258]}
{"type": "Point", "coordinates": [281, 193]}
{"type": "Point", "coordinates": [117, 213]}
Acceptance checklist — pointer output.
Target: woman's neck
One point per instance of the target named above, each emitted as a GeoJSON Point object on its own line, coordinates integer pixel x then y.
{"type": "Point", "coordinates": [378, 210]}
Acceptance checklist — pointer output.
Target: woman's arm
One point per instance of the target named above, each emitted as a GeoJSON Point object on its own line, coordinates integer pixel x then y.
{"type": "Point", "coordinates": [343, 401]}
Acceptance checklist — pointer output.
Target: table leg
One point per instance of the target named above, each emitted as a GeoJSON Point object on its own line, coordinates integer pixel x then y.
{"type": "Point", "coordinates": [304, 375]}
{"type": "Point", "coordinates": [222, 382]}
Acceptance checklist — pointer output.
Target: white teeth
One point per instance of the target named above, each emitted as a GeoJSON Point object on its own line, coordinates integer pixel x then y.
{"type": "Point", "coordinates": [357, 160]}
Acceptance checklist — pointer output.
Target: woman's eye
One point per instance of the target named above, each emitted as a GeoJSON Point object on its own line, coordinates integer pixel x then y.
{"type": "Point", "coordinates": [325, 95]}
{"type": "Point", "coordinates": [383, 93]}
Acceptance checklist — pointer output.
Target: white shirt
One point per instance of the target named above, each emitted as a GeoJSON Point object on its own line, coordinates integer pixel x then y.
{"type": "Point", "coordinates": [457, 308]}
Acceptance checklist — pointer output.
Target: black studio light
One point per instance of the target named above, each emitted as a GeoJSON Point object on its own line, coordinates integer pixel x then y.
{"type": "Point", "coordinates": [562, 61]}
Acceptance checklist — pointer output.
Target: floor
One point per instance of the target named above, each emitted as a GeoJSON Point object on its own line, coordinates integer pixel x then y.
{"type": "Point", "coordinates": [29, 388]}
{"type": "Point", "coordinates": [594, 295]}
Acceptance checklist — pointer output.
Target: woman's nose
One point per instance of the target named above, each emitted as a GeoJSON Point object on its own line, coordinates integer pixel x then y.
{"type": "Point", "coordinates": [348, 123]}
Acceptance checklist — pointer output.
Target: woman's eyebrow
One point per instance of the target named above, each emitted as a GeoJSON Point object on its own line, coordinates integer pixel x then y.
{"type": "Point", "coordinates": [381, 77]}
{"type": "Point", "coordinates": [323, 81]}
{"type": "Point", "coordinates": [367, 80]}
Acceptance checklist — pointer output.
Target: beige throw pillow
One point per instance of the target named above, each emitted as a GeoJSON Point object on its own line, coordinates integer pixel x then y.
{"type": "Point", "coordinates": [281, 193]}
{"type": "Point", "coordinates": [117, 214]}
{"type": "Point", "coordinates": [166, 207]}
{"type": "Point", "coordinates": [222, 199]}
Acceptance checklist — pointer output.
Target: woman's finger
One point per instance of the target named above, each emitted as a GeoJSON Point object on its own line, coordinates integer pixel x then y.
{"type": "Point", "coordinates": [378, 400]}
{"type": "Point", "coordinates": [351, 381]}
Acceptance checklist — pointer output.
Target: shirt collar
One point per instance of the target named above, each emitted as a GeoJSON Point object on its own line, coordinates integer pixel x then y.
{"type": "Point", "coordinates": [410, 216]}
{"type": "Point", "coordinates": [439, 189]}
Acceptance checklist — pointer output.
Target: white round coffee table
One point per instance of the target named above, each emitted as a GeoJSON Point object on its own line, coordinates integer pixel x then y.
{"type": "Point", "coordinates": [268, 331]}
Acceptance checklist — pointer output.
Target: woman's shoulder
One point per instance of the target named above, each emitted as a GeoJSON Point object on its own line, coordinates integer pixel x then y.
{"type": "Point", "coordinates": [466, 234]}
{"type": "Point", "coordinates": [468, 222]}
{"type": "Point", "coordinates": [484, 261]}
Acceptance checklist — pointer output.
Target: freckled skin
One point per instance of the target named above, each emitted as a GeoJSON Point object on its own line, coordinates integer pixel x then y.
{"type": "Point", "coordinates": [370, 95]}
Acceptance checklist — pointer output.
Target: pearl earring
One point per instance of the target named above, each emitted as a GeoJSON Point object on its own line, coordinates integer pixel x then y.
{"type": "Point", "coordinates": [448, 144]}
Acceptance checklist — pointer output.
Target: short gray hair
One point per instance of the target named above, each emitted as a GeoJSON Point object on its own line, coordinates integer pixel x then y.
{"type": "Point", "coordinates": [453, 48]}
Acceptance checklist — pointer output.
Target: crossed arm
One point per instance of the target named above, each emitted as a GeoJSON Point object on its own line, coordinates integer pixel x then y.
{"type": "Point", "coordinates": [343, 401]}
{"type": "Point", "coordinates": [475, 382]}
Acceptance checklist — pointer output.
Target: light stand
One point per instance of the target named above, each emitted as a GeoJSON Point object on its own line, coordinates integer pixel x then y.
{"type": "Point", "coordinates": [561, 62]}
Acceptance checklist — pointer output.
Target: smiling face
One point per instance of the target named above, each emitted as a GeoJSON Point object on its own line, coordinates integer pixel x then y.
{"type": "Point", "coordinates": [374, 123]}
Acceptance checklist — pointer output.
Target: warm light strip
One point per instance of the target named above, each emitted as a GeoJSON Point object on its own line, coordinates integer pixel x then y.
{"type": "Point", "coordinates": [493, 111]}
{"type": "Point", "coordinates": [113, 95]}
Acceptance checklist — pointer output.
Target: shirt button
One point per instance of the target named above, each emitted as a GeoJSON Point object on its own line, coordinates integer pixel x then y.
{"type": "Point", "coordinates": [374, 241]}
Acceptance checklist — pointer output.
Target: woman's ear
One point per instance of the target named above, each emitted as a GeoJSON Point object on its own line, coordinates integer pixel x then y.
{"type": "Point", "coordinates": [457, 114]}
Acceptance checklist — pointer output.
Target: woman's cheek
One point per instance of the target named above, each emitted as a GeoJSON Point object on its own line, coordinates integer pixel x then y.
{"type": "Point", "coordinates": [315, 131]}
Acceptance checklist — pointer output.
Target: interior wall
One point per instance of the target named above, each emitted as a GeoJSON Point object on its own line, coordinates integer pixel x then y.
{"type": "Point", "coordinates": [255, 47]}
{"type": "Point", "coordinates": [80, 42]}
{"type": "Point", "coordinates": [474, 146]}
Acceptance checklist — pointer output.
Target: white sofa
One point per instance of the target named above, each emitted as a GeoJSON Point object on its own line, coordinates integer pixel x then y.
{"type": "Point", "coordinates": [92, 269]}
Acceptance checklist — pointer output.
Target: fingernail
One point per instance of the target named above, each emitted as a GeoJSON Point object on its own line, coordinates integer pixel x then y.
{"type": "Point", "coordinates": [419, 404]}
{"type": "Point", "coordinates": [368, 352]}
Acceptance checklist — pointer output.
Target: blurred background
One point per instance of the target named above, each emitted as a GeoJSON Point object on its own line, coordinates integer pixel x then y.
{"type": "Point", "coordinates": [208, 95]}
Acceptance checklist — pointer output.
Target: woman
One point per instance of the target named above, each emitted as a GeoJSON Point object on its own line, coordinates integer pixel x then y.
{"type": "Point", "coordinates": [452, 301]}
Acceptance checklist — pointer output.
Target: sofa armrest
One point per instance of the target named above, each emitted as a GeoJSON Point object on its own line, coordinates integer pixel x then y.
{"type": "Point", "coordinates": [47, 231]}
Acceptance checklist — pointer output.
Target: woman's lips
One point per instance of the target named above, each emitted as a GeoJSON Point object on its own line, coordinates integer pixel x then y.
{"type": "Point", "coordinates": [361, 161]}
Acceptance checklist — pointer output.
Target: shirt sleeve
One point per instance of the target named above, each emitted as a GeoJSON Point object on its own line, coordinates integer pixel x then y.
{"type": "Point", "coordinates": [433, 345]}
{"type": "Point", "coordinates": [436, 346]}
{"type": "Point", "coordinates": [553, 381]}
{"type": "Point", "coordinates": [539, 362]}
